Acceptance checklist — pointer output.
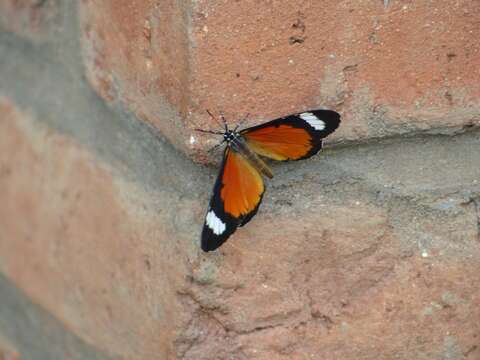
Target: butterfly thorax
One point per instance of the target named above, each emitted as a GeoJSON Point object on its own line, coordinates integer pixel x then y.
{"type": "Point", "coordinates": [237, 143]}
{"type": "Point", "coordinates": [229, 136]}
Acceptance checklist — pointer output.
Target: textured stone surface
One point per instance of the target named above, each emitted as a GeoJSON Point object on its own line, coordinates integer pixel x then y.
{"type": "Point", "coordinates": [409, 67]}
{"type": "Point", "coordinates": [32, 19]}
{"type": "Point", "coordinates": [348, 264]}
{"type": "Point", "coordinates": [7, 351]}
{"type": "Point", "coordinates": [92, 260]}
{"type": "Point", "coordinates": [348, 258]}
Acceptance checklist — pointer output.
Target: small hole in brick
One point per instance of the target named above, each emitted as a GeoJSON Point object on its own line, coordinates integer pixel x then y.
{"type": "Point", "coordinates": [451, 56]}
{"type": "Point", "coordinates": [299, 25]}
{"type": "Point", "coordinates": [295, 40]}
{"type": "Point", "coordinates": [449, 97]}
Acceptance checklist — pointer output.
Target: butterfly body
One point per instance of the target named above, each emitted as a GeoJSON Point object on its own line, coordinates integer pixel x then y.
{"type": "Point", "coordinates": [237, 143]}
{"type": "Point", "coordinates": [239, 188]}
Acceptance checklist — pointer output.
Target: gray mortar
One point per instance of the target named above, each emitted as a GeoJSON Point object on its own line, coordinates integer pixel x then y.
{"type": "Point", "coordinates": [35, 333]}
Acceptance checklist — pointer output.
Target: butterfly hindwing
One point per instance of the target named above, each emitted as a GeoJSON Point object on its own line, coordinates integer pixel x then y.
{"type": "Point", "coordinates": [294, 137]}
{"type": "Point", "coordinates": [237, 194]}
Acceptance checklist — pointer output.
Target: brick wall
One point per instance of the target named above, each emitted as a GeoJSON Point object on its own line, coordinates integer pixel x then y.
{"type": "Point", "coordinates": [369, 251]}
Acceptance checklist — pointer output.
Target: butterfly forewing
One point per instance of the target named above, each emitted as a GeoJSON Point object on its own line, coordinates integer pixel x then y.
{"type": "Point", "coordinates": [236, 196]}
{"type": "Point", "coordinates": [293, 137]}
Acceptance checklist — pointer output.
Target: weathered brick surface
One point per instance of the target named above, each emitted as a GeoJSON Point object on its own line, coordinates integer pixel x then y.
{"type": "Point", "coordinates": [138, 52]}
{"type": "Point", "coordinates": [339, 276]}
{"type": "Point", "coordinates": [83, 245]}
{"type": "Point", "coordinates": [363, 252]}
{"type": "Point", "coordinates": [344, 264]}
{"type": "Point", "coordinates": [412, 66]}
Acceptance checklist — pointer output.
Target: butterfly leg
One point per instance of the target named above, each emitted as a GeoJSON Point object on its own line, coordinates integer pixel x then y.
{"type": "Point", "coordinates": [224, 121]}
{"type": "Point", "coordinates": [216, 120]}
{"type": "Point", "coordinates": [241, 122]}
{"type": "Point", "coordinates": [215, 147]}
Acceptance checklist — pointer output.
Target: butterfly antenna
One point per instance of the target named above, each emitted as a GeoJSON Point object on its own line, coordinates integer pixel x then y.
{"type": "Point", "coordinates": [241, 122]}
{"type": "Point", "coordinates": [215, 119]}
{"type": "Point", "coordinates": [224, 121]}
{"type": "Point", "coordinates": [209, 131]}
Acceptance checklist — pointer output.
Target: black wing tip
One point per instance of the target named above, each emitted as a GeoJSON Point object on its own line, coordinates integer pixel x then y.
{"type": "Point", "coordinates": [332, 122]}
{"type": "Point", "coordinates": [211, 244]}
{"type": "Point", "coordinates": [331, 117]}
{"type": "Point", "coordinates": [209, 247]}
{"type": "Point", "coordinates": [210, 241]}
{"type": "Point", "coordinates": [332, 114]}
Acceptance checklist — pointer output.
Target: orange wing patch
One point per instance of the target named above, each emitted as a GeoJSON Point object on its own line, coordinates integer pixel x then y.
{"type": "Point", "coordinates": [282, 142]}
{"type": "Point", "coordinates": [242, 186]}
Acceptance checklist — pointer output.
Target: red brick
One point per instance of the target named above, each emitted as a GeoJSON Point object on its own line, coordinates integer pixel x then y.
{"type": "Point", "coordinates": [335, 283]}
{"type": "Point", "coordinates": [408, 67]}
{"type": "Point", "coordinates": [138, 52]}
{"type": "Point", "coordinates": [28, 18]}
{"type": "Point", "coordinates": [321, 278]}
{"type": "Point", "coordinates": [84, 244]}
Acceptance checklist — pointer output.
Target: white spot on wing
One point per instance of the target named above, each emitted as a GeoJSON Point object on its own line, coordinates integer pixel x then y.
{"type": "Point", "coordinates": [314, 121]}
{"type": "Point", "coordinates": [214, 223]}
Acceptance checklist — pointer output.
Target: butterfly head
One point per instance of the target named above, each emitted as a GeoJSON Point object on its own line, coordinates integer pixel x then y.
{"type": "Point", "coordinates": [229, 136]}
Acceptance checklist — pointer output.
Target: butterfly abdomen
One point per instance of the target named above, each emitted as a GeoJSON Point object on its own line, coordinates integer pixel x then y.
{"type": "Point", "coordinates": [239, 145]}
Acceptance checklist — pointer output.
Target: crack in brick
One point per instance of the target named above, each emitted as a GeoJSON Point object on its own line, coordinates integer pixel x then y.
{"type": "Point", "coordinates": [204, 325]}
{"type": "Point", "coordinates": [283, 319]}
{"type": "Point", "coordinates": [316, 315]}
{"type": "Point", "coordinates": [476, 202]}
{"type": "Point", "coordinates": [470, 350]}
{"type": "Point", "coordinates": [258, 329]}
{"type": "Point", "coordinates": [202, 317]}
{"type": "Point", "coordinates": [39, 3]}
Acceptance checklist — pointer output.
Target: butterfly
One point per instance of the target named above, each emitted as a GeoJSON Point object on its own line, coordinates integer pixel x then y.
{"type": "Point", "coordinates": [239, 188]}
